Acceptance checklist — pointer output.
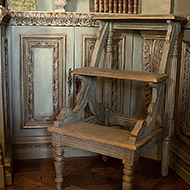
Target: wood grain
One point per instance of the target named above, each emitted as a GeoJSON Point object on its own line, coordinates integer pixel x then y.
{"type": "Point", "coordinates": [97, 133]}
{"type": "Point", "coordinates": [129, 75]}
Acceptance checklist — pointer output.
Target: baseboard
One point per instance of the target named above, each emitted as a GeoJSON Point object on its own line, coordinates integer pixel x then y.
{"type": "Point", "coordinates": [41, 151]}
{"type": "Point", "coordinates": [180, 163]}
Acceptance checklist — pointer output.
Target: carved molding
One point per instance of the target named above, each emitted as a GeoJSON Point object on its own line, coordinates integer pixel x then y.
{"type": "Point", "coordinates": [152, 53]}
{"type": "Point", "coordinates": [182, 159]}
{"type": "Point", "coordinates": [28, 43]}
{"type": "Point", "coordinates": [118, 63]}
{"type": "Point", "coordinates": [6, 89]}
{"type": "Point", "coordinates": [21, 18]}
{"type": "Point", "coordinates": [17, 147]}
{"type": "Point", "coordinates": [183, 129]}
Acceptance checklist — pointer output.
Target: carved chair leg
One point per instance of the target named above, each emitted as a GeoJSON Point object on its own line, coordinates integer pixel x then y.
{"type": "Point", "coordinates": [128, 174]}
{"type": "Point", "coordinates": [165, 155]}
{"type": "Point", "coordinates": [59, 163]}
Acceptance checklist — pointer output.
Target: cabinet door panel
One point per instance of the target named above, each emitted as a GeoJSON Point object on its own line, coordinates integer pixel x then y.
{"type": "Point", "coordinates": [41, 58]}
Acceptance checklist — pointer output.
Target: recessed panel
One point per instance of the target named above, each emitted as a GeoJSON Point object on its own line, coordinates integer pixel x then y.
{"type": "Point", "coordinates": [43, 82]}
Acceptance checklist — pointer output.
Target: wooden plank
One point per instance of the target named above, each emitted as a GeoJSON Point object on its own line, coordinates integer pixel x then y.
{"type": "Point", "coordinates": [119, 74]}
{"type": "Point", "coordinates": [118, 16]}
{"type": "Point", "coordinates": [95, 133]}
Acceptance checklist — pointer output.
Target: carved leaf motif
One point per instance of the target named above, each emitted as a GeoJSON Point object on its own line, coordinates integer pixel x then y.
{"type": "Point", "coordinates": [52, 19]}
{"type": "Point", "coordinates": [30, 79]}
{"type": "Point", "coordinates": [152, 53]}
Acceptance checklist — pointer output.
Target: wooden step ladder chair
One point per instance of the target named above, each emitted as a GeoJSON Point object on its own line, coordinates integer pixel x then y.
{"type": "Point", "coordinates": [96, 133]}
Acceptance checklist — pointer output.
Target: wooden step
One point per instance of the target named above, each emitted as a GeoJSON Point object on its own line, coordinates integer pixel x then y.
{"type": "Point", "coordinates": [118, 74]}
{"type": "Point", "coordinates": [95, 133]}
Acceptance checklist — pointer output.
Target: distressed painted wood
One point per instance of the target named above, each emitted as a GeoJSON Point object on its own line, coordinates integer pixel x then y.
{"type": "Point", "coordinates": [101, 133]}
{"type": "Point", "coordinates": [5, 131]}
{"type": "Point", "coordinates": [129, 75]}
{"type": "Point", "coordinates": [180, 146]}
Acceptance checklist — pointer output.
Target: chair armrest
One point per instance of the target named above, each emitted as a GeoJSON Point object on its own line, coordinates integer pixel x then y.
{"type": "Point", "coordinates": [118, 74]}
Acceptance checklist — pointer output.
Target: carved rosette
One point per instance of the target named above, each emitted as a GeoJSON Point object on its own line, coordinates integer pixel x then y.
{"type": "Point", "coordinates": [185, 93]}
{"type": "Point", "coordinates": [51, 19]}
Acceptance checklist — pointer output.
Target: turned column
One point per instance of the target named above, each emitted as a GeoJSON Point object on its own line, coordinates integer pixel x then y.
{"type": "Point", "coordinates": [59, 164]}
{"type": "Point", "coordinates": [128, 174]}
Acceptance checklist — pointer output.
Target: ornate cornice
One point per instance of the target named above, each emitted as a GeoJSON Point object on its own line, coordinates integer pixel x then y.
{"type": "Point", "coordinates": [4, 15]}
{"type": "Point", "coordinates": [37, 18]}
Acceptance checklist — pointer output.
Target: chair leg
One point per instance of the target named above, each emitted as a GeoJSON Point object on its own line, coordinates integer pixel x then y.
{"type": "Point", "coordinates": [59, 163]}
{"type": "Point", "coordinates": [128, 174]}
{"type": "Point", "coordinates": [165, 156]}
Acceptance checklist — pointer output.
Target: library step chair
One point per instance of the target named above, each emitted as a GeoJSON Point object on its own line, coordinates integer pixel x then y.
{"type": "Point", "coordinates": [96, 133]}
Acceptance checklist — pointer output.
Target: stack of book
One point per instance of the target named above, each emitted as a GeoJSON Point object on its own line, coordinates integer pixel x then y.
{"type": "Point", "coordinates": [116, 6]}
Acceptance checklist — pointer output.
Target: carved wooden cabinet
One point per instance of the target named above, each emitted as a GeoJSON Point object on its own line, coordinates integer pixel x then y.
{"type": "Point", "coordinates": [43, 48]}
{"type": "Point", "coordinates": [42, 52]}
{"type": "Point", "coordinates": [180, 149]}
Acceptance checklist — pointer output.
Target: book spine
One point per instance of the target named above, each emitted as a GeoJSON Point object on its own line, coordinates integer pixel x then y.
{"type": "Point", "coordinates": [130, 6]}
{"type": "Point", "coordinates": [135, 6]}
{"type": "Point", "coordinates": [96, 6]}
{"type": "Point", "coordinates": [115, 7]}
{"type": "Point", "coordinates": [101, 6]}
{"type": "Point", "coordinates": [120, 6]}
{"type": "Point", "coordinates": [110, 6]}
{"type": "Point", "coordinates": [106, 6]}
{"type": "Point", "coordinates": [125, 6]}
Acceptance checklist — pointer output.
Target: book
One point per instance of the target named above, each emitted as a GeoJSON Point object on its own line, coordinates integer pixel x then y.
{"type": "Point", "coordinates": [115, 7]}
{"type": "Point", "coordinates": [101, 6]}
{"type": "Point", "coordinates": [110, 6]}
{"type": "Point", "coordinates": [130, 6]}
{"type": "Point", "coordinates": [135, 7]}
{"type": "Point", "coordinates": [125, 6]}
{"type": "Point", "coordinates": [120, 6]}
{"type": "Point", "coordinates": [106, 6]}
{"type": "Point", "coordinates": [96, 6]}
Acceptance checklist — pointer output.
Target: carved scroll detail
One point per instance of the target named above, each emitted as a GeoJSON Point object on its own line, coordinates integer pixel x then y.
{"type": "Point", "coordinates": [152, 53]}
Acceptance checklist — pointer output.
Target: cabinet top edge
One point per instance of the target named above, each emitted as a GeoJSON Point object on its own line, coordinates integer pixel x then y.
{"type": "Point", "coordinates": [108, 16]}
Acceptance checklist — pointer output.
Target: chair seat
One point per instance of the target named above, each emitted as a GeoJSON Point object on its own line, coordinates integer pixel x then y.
{"type": "Point", "coordinates": [98, 133]}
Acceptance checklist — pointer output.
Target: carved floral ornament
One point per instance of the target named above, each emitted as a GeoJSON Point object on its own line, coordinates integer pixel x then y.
{"type": "Point", "coordinates": [34, 18]}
